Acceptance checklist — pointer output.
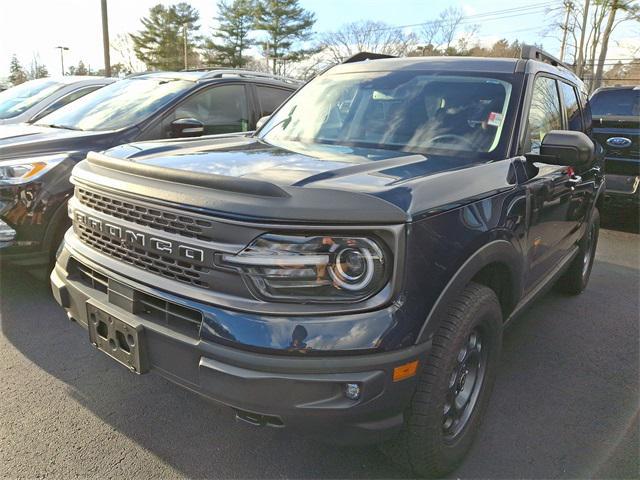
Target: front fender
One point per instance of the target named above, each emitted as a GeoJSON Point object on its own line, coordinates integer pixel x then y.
{"type": "Point", "coordinates": [498, 251]}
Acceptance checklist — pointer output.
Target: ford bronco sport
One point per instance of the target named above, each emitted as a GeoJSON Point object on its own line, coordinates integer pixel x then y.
{"type": "Point", "coordinates": [348, 270]}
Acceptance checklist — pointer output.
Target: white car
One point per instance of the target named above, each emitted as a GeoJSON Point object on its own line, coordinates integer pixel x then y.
{"type": "Point", "coordinates": [32, 100]}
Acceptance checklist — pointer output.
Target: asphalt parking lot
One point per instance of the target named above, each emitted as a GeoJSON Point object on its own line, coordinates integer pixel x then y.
{"type": "Point", "coordinates": [565, 404]}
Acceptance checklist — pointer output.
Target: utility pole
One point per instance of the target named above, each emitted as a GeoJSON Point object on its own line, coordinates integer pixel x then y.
{"type": "Point", "coordinates": [105, 38]}
{"type": "Point", "coordinates": [568, 5]}
{"type": "Point", "coordinates": [184, 41]}
{"type": "Point", "coordinates": [62, 49]}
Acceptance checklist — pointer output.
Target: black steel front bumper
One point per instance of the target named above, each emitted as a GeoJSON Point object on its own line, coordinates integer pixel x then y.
{"type": "Point", "coordinates": [305, 393]}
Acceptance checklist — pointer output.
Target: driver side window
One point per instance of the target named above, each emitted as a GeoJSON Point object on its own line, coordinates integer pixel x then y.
{"type": "Point", "coordinates": [222, 109]}
{"type": "Point", "coordinates": [544, 114]}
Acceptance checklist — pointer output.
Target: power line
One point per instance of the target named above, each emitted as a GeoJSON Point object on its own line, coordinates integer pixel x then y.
{"type": "Point", "coordinates": [519, 10]}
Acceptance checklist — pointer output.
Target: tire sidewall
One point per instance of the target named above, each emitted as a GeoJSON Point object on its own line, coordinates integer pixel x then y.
{"type": "Point", "coordinates": [446, 454]}
{"type": "Point", "coordinates": [594, 223]}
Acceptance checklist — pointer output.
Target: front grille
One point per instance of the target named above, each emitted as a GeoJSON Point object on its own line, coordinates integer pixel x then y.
{"type": "Point", "coordinates": [153, 262]}
{"type": "Point", "coordinates": [148, 307]}
{"type": "Point", "coordinates": [180, 224]}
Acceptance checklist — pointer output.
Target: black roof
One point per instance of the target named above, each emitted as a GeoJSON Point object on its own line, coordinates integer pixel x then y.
{"type": "Point", "coordinates": [460, 64]}
{"type": "Point", "coordinates": [469, 64]}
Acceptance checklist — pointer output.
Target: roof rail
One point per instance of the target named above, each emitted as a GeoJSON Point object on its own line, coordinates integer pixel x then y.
{"type": "Point", "coordinates": [220, 72]}
{"type": "Point", "coordinates": [362, 56]}
{"type": "Point", "coordinates": [137, 74]}
{"type": "Point", "coordinates": [531, 52]}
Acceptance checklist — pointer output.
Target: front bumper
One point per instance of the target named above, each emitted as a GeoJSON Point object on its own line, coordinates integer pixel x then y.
{"type": "Point", "coordinates": [304, 393]}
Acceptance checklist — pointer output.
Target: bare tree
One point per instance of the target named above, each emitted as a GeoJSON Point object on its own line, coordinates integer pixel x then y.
{"type": "Point", "coordinates": [440, 35]}
{"type": "Point", "coordinates": [628, 10]}
{"type": "Point", "coordinates": [365, 36]}
{"type": "Point", "coordinates": [122, 45]}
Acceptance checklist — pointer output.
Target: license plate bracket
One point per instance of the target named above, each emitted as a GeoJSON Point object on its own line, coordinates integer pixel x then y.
{"type": "Point", "coordinates": [121, 340]}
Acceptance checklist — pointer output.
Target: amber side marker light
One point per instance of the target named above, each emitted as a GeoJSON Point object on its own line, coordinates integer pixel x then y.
{"type": "Point", "coordinates": [405, 371]}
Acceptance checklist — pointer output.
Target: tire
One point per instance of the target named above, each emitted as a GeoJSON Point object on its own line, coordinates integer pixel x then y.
{"type": "Point", "coordinates": [576, 278]}
{"type": "Point", "coordinates": [430, 445]}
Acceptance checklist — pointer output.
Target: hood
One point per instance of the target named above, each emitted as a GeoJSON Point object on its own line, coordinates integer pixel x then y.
{"type": "Point", "coordinates": [325, 166]}
{"type": "Point", "coordinates": [23, 139]}
{"type": "Point", "coordinates": [295, 182]}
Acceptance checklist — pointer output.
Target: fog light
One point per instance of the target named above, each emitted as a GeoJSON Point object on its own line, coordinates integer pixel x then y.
{"type": "Point", "coordinates": [6, 232]}
{"type": "Point", "coordinates": [352, 391]}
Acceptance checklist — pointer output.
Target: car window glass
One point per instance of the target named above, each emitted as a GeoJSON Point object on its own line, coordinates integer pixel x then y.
{"type": "Point", "coordinates": [396, 110]}
{"type": "Point", "coordinates": [623, 102]}
{"type": "Point", "coordinates": [222, 109]}
{"type": "Point", "coordinates": [19, 99]}
{"type": "Point", "coordinates": [270, 99]}
{"type": "Point", "coordinates": [572, 110]}
{"type": "Point", "coordinates": [61, 102]}
{"type": "Point", "coordinates": [122, 104]}
{"type": "Point", "coordinates": [544, 114]}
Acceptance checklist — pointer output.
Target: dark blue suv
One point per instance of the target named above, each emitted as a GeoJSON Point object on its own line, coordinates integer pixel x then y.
{"type": "Point", "coordinates": [348, 270]}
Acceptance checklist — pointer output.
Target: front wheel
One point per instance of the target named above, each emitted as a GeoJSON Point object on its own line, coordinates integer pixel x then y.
{"type": "Point", "coordinates": [576, 278]}
{"type": "Point", "coordinates": [455, 385]}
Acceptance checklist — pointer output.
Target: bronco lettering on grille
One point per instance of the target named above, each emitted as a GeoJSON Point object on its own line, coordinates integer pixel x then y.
{"type": "Point", "coordinates": [160, 245]}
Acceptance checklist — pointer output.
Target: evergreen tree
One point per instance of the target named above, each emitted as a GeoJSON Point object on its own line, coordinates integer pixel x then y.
{"type": "Point", "coordinates": [17, 73]}
{"type": "Point", "coordinates": [286, 24]}
{"type": "Point", "coordinates": [81, 69]}
{"type": "Point", "coordinates": [161, 43]}
{"type": "Point", "coordinates": [235, 22]}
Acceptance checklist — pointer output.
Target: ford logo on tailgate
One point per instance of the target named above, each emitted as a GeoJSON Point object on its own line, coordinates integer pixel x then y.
{"type": "Point", "coordinates": [618, 142]}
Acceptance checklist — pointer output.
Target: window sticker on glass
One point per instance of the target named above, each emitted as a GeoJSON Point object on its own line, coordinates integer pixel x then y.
{"type": "Point", "coordinates": [494, 119]}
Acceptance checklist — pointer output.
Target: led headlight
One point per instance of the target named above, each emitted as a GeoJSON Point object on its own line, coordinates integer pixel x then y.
{"type": "Point", "coordinates": [16, 172]}
{"type": "Point", "coordinates": [316, 269]}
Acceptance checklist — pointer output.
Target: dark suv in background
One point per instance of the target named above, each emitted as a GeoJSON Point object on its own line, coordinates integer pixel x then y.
{"type": "Point", "coordinates": [36, 160]}
{"type": "Point", "coordinates": [348, 270]}
{"type": "Point", "coordinates": [616, 125]}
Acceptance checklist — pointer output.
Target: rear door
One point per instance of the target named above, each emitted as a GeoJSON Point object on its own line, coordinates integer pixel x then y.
{"type": "Point", "coordinates": [554, 200]}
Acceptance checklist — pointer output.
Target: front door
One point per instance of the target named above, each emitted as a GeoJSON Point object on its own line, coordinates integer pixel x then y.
{"type": "Point", "coordinates": [554, 193]}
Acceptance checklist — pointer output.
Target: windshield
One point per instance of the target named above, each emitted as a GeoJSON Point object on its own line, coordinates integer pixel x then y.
{"type": "Point", "coordinates": [21, 98]}
{"type": "Point", "coordinates": [119, 105]}
{"type": "Point", "coordinates": [403, 110]}
{"type": "Point", "coordinates": [623, 102]}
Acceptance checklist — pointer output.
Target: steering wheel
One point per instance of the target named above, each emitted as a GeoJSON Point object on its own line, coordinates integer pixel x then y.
{"type": "Point", "coordinates": [451, 136]}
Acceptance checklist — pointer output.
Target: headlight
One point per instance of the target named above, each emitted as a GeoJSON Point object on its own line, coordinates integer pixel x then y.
{"type": "Point", "coordinates": [317, 269]}
{"type": "Point", "coordinates": [16, 172]}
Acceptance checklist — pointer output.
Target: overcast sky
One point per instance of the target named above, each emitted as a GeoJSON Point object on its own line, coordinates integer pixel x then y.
{"type": "Point", "coordinates": [36, 27]}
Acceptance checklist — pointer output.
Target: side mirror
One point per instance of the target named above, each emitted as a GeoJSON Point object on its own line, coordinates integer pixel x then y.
{"type": "Point", "coordinates": [262, 121]}
{"type": "Point", "coordinates": [186, 127]}
{"type": "Point", "coordinates": [567, 148]}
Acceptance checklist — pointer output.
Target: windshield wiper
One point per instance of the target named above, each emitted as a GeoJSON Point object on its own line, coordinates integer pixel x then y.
{"type": "Point", "coordinates": [53, 125]}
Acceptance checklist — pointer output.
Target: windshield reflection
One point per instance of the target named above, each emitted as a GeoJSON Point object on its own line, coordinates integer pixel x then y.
{"type": "Point", "coordinates": [118, 105]}
{"type": "Point", "coordinates": [21, 98]}
{"type": "Point", "coordinates": [401, 110]}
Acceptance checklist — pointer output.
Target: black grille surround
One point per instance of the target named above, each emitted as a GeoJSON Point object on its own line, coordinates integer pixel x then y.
{"type": "Point", "coordinates": [159, 219]}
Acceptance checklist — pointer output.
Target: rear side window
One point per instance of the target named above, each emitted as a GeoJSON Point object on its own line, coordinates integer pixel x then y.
{"type": "Point", "coordinates": [571, 108]}
{"type": "Point", "coordinates": [624, 102]}
{"type": "Point", "coordinates": [270, 98]}
{"type": "Point", "coordinates": [222, 109]}
{"type": "Point", "coordinates": [544, 114]}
